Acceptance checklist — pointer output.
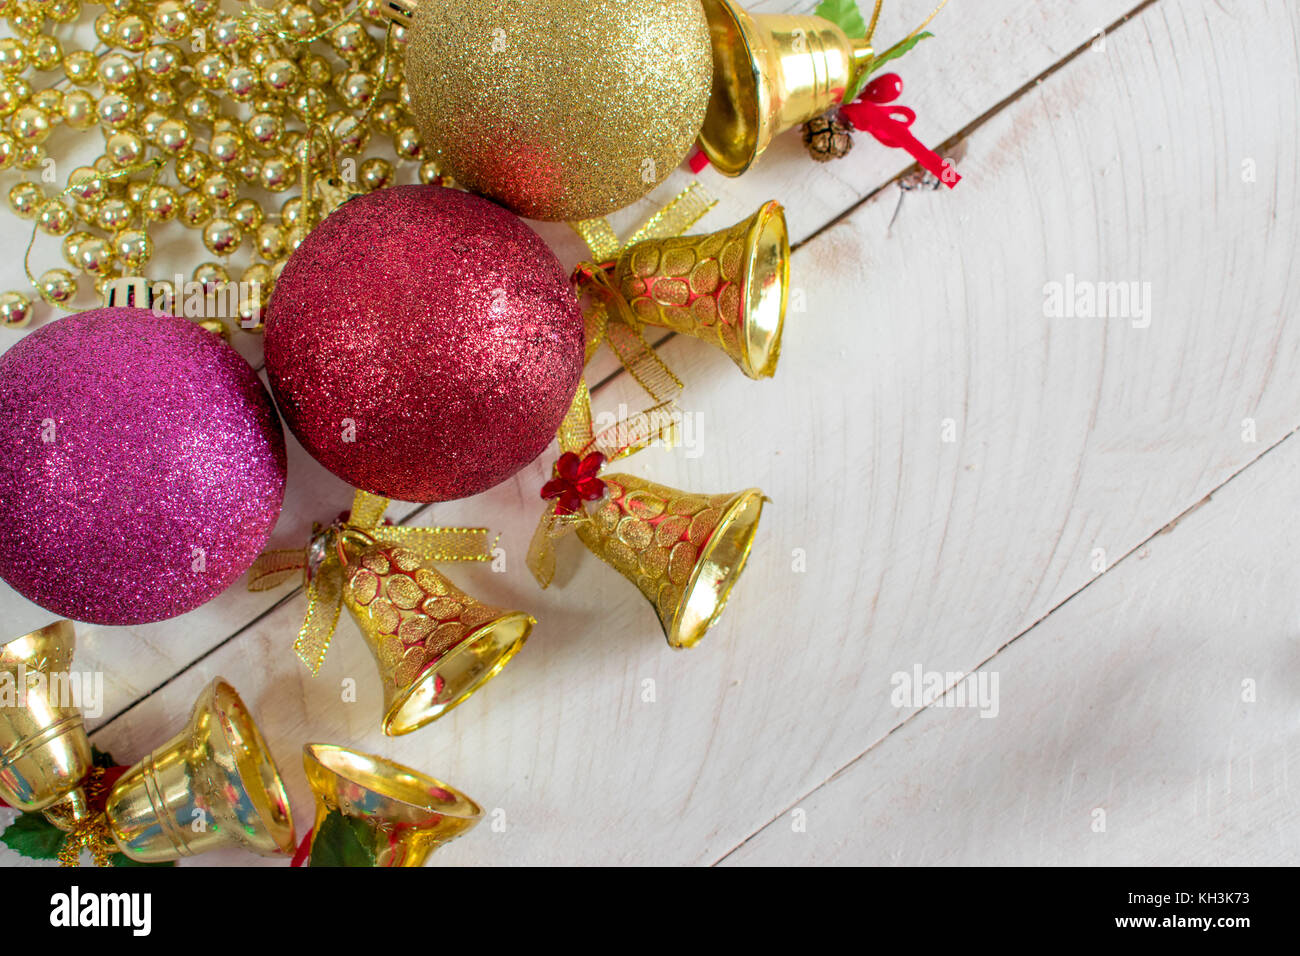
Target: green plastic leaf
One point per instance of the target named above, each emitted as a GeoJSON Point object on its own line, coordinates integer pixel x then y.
{"type": "Point", "coordinates": [845, 15]}
{"type": "Point", "coordinates": [33, 836]}
{"type": "Point", "coordinates": [893, 53]}
{"type": "Point", "coordinates": [342, 841]}
{"type": "Point", "coordinates": [899, 49]}
{"type": "Point", "coordinates": [101, 759]}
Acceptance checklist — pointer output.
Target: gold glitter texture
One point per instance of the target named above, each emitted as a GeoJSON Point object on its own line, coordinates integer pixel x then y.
{"type": "Point", "coordinates": [559, 111]}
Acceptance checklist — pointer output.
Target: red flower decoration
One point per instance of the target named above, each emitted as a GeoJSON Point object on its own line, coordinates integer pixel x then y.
{"type": "Point", "coordinates": [575, 481]}
{"type": "Point", "coordinates": [892, 125]}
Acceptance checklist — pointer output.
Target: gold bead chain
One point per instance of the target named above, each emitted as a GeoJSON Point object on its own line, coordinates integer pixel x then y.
{"type": "Point", "coordinates": [247, 124]}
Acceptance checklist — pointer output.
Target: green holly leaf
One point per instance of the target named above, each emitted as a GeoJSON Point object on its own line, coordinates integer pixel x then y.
{"type": "Point", "coordinates": [34, 837]}
{"type": "Point", "coordinates": [101, 759]}
{"type": "Point", "coordinates": [342, 841]}
{"type": "Point", "coordinates": [844, 14]}
{"type": "Point", "coordinates": [899, 49]}
{"type": "Point", "coordinates": [893, 53]}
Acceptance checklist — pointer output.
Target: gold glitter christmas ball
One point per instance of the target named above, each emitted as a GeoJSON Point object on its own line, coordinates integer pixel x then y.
{"type": "Point", "coordinates": [558, 110]}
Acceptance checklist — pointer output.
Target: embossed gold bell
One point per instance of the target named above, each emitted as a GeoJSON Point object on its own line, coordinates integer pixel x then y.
{"type": "Point", "coordinates": [44, 752]}
{"type": "Point", "coordinates": [214, 785]}
{"type": "Point", "coordinates": [399, 815]}
{"type": "Point", "coordinates": [683, 551]}
{"type": "Point", "coordinates": [770, 72]}
{"type": "Point", "coordinates": [434, 644]}
{"type": "Point", "coordinates": [730, 288]}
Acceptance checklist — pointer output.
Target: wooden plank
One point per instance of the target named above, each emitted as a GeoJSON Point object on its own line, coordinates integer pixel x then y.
{"type": "Point", "coordinates": [1150, 720]}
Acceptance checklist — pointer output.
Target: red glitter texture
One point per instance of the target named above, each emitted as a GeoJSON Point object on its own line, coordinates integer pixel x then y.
{"type": "Point", "coordinates": [423, 344]}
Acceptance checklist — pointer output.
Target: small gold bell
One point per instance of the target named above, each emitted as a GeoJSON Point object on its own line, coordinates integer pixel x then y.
{"type": "Point", "coordinates": [729, 288]}
{"type": "Point", "coordinates": [44, 752]}
{"type": "Point", "coordinates": [683, 551]}
{"type": "Point", "coordinates": [405, 814]}
{"type": "Point", "coordinates": [433, 643]}
{"type": "Point", "coordinates": [770, 72]}
{"type": "Point", "coordinates": [213, 785]}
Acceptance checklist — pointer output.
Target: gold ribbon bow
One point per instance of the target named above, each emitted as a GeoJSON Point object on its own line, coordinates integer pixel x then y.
{"type": "Point", "coordinates": [621, 439]}
{"type": "Point", "coordinates": [323, 562]}
{"type": "Point", "coordinates": [610, 321]}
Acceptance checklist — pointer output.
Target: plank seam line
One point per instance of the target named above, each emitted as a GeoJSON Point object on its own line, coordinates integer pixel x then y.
{"type": "Point", "coordinates": [1167, 528]}
{"type": "Point", "coordinates": [961, 134]}
{"type": "Point", "coordinates": [252, 622]}
{"type": "Point", "coordinates": [978, 121]}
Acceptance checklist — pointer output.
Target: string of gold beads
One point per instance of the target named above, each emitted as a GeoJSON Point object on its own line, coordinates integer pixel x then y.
{"type": "Point", "coordinates": [227, 101]}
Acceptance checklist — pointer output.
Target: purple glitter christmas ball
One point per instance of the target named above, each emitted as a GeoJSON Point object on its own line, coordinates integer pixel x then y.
{"type": "Point", "coordinates": [423, 344]}
{"type": "Point", "coordinates": [144, 466]}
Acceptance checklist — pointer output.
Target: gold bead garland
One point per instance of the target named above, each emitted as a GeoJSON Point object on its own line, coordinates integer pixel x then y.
{"type": "Point", "coordinates": [228, 119]}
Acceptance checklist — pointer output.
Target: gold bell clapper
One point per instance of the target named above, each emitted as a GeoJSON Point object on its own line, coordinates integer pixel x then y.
{"type": "Point", "coordinates": [684, 552]}
{"type": "Point", "coordinates": [45, 754]}
{"type": "Point", "coordinates": [771, 72]}
{"type": "Point", "coordinates": [433, 643]}
{"type": "Point", "coordinates": [391, 815]}
{"type": "Point", "coordinates": [212, 786]}
{"type": "Point", "coordinates": [729, 288]}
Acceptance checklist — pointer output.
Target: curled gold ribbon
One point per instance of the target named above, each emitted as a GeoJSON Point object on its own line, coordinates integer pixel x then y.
{"type": "Point", "coordinates": [684, 211]}
{"type": "Point", "coordinates": [323, 562]}
{"type": "Point", "coordinates": [610, 321]}
{"type": "Point", "coordinates": [625, 437]}
{"type": "Point", "coordinates": [609, 318]}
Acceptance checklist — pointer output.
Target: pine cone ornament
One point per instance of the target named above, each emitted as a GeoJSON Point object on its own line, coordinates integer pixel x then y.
{"type": "Point", "coordinates": [826, 138]}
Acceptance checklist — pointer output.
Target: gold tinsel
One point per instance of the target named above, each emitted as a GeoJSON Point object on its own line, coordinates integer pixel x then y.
{"type": "Point", "coordinates": [90, 834]}
{"type": "Point", "coordinates": [246, 124]}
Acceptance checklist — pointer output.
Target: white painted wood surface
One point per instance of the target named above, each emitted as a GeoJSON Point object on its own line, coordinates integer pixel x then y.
{"type": "Point", "coordinates": [947, 462]}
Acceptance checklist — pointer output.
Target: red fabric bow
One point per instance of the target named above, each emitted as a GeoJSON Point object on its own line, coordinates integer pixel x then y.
{"type": "Point", "coordinates": [891, 125]}
{"type": "Point", "coordinates": [575, 481]}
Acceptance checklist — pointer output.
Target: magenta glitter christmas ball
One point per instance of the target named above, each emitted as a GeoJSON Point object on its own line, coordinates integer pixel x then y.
{"type": "Point", "coordinates": [144, 466]}
{"type": "Point", "coordinates": [423, 344]}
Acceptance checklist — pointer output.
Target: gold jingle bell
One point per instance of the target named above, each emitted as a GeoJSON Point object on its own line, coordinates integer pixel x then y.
{"type": "Point", "coordinates": [558, 111]}
{"type": "Point", "coordinates": [44, 752]}
{"type": "Point", "coordinates": [433, 643]}
{"type": "Point", "coordinates": [405, 814]}
{"type": "Point", "coordinates": [770, 72]}
{"type": "Point", "coordinates": [683, 551]}
{"type": "Point", "coordinates": [214, 785]}
{"type": "Point", "coordinates": [729, 288]}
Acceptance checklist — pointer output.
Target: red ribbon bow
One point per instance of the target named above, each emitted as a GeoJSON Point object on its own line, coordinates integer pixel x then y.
{"type": "Point", "coordinates": [575, 481]}
{"type": "Point", "coordinates": [891, 125]}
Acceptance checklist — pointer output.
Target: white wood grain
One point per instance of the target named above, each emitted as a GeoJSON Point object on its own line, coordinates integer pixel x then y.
{"type": "Point", "coordinates": [1071, 435]}
{"type": "Point", "coordinates": [1152, 718]}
